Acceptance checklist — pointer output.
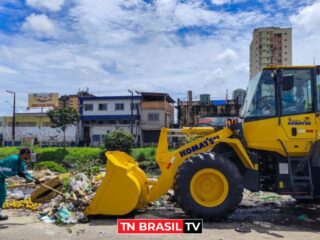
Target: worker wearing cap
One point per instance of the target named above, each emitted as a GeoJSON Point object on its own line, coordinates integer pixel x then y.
{"type": "Point", "coordinates": [12, 166]}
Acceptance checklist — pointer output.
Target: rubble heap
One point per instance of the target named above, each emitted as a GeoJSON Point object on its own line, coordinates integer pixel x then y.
{"type": "Point", "coordinates": [60, 209]}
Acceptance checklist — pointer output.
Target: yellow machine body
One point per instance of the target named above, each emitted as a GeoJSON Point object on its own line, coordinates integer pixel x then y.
{"type": "Point", "coordinates": [276, 131]}
{"type": "Point", "coordinates": [126, 187]}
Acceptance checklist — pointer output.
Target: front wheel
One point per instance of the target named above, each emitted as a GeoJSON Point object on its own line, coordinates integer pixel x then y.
{"type": "Point", "coordinates": [208, 186]}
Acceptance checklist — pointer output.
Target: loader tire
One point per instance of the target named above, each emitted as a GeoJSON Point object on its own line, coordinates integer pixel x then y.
{"type": "Point", "coordinates": [208, 186]}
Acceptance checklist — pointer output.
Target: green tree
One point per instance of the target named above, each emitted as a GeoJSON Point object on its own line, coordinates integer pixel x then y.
{"type": "Point", "coordinates": [62, 117]}
{"type": "Point", "coordinates": [119, 140]}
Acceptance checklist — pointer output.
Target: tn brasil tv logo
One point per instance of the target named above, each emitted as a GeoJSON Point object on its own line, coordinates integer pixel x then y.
{"type": "Point", "coordinates": [159, 226]}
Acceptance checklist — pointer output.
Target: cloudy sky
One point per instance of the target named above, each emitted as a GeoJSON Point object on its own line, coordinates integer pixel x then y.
{"type": "Point", "coordinates": [169, 46]}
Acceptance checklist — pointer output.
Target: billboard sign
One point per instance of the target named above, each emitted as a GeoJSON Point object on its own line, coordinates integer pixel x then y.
{"type": "Point", "coordinates": [43, 100]}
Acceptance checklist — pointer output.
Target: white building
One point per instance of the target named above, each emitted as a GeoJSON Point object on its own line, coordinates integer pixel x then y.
{"type": "Point", "coordinates": [36, 126]}
{"type": "Point", "coordinates": [101, 115]}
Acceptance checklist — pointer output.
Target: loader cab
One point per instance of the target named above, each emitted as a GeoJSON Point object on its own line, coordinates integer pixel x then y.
{"type": "Point", "coordinates": [281, 104]}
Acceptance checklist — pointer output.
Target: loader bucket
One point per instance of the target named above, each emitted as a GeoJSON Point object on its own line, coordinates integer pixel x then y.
{"type": "Point", "coordinates": [122, 190]}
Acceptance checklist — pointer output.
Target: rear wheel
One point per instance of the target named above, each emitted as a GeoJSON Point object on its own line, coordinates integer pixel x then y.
{"type": "Point", "coordinates": [208, 186]}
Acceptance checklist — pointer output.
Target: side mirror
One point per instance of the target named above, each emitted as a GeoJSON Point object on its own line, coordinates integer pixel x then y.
{"type": "Point", "coordinates": [287, 82]}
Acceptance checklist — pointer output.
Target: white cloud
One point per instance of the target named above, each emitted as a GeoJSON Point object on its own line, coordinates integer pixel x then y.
{"type": "Point", "coordinates": [220, 2]}
{"type": "Point", "coordinates": [228, 55]}
{"type": "Point", "coordinates": [242, 68]}
{"type": "Point", "coordinates": [216, 77]}
{"type": "Point", "coordinates": [308, 18]}
{"type": "Point", "coordinates": [306, 35]}
{"type": "Point", "coordinates": [194, 15]}
{"type": "Point", "coordinates": [7, 70]}
{"type": "Point", "coordinates": [51, 5]}
{"type": "Point", "coordinates": [40, 26]}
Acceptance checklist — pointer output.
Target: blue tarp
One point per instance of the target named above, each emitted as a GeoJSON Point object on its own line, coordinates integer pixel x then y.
{"type": "Point", "coordinates": [219, 102]}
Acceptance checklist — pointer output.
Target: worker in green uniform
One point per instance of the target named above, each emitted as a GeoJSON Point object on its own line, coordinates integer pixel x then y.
{"type": "Point", "coordinates": [12, 166]}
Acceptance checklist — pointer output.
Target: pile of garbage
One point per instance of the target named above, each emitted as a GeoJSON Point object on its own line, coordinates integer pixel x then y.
{"type": "Point", "coordinates": [265, 198]}
{"type": "Point", "coordinates": [62, 210]}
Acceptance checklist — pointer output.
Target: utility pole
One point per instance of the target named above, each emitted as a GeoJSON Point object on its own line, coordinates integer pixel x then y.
{"type": "Point", "coordinates": [131, 122]}
{"type": "Point", "coordinates": [13, 117]}
{"type": "Point", "coordinates": [165, 110]}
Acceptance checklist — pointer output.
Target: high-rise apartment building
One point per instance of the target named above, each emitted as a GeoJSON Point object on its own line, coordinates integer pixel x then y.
{"type": "Point", "coordinates": [238, 95]}
{"type": "Point", "coordinates": [270, 46]}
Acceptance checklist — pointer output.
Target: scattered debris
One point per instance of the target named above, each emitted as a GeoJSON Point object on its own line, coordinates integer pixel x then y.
{"type": "Point", "coordinates": [103, 233]}
{"type": "Point", "coordinates": [80, 231]}
{"type": "Point", "coordinates": [47, 219]}
{"type": "Point", "coordinates": [301, 218]}
{"type": "Point", "coordinates": [243, 229]}
{"type": "Point", "coordinates": [304, 218]}
{"type": "Point", "coordinates": [65, 216]}
{"type": "Point", "coordinates": [19, 193]}
{"type": "Point", "coordinates": [165, 203]}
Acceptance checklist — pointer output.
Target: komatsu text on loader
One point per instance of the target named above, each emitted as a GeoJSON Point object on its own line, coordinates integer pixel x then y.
{"type": "Point", "coordinates": [275, 147]}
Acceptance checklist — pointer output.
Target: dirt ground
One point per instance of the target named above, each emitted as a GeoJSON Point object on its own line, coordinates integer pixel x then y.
{"type": "Point", "coordinates": [265, 216]}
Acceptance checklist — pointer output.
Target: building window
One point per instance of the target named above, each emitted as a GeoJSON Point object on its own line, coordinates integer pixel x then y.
{"type": "Point", "coordinates": [124, 121]}
{"type": "Point", "coordinates": [119, 106]}
{"type": "Point", "coordinates": [88, 107]}
{"type": "Point", "coordinates": [153, 117]}
{"type": "Point", "coordinates": [103, 107]}
{"type": "Point", "coordinates": [111, 122]}
{"type": "Point", "coordinates": [96, 138]}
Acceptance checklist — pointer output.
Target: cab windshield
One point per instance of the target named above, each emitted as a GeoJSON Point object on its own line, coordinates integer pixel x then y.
{"type": "Point", "coordinates": [295, 94]}
{"type": "Point", "coordinates": [260, 96]}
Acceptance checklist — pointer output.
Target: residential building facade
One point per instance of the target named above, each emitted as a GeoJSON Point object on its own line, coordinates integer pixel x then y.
{"type": "Point", "coordinates": [270, 46]}
{"type": "Point", "coordinates": [157, 111]}
{"type": "Point", "coordinates": [36, 127]}
{"type": "Point", "coordinates": [101, 115]}
{"type": "Point", "coordinates": [73, 101]}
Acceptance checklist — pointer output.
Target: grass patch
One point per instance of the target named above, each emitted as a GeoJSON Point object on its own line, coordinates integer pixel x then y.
{"type": "Point", "coordinates": [83, 158]}
{"type": "Point", "coordinates": [145, 157]}
{"type": "Point", "coordinates": [7, 151]}
{"type": "Point", "coordinates": [66, 157]}
{"type": "Point", "coordinates": [53, 166]}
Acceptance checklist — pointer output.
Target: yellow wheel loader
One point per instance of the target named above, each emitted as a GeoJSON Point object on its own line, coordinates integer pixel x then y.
{"type": "Point", "coordinates": [275, 147]}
